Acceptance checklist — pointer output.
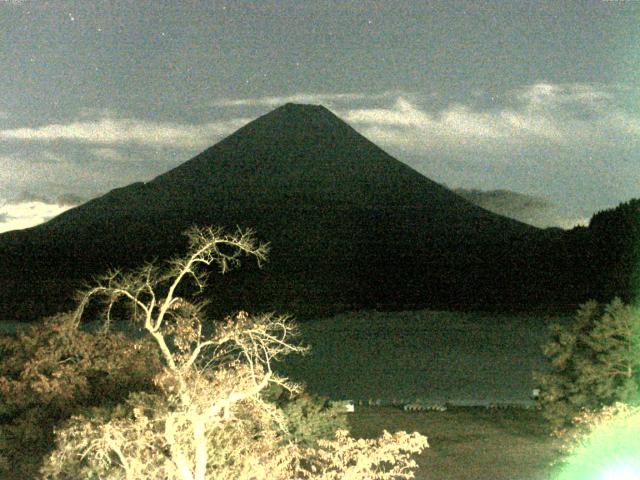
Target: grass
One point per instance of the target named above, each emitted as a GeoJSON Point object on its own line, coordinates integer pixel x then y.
{"type": "Point", "coordinates": [469, 443]}
{"type": "Point", "coordinates": [434, 358]}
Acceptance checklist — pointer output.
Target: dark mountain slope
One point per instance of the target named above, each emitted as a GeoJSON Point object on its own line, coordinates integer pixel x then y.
{"type": "Point", "coordinates": [350, 226]}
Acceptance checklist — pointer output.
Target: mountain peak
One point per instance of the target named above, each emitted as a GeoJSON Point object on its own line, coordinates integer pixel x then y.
{"type": "Point", "coordinates": [305, 153]}
{"type": "Point", "coordinates": [300, 111]}
{"type": "Point", "coordinates": [303, 106]}
{"type": "Point", "coordinates": [302, 154]}
{"type": "Point", "coordinates": [348, 223]}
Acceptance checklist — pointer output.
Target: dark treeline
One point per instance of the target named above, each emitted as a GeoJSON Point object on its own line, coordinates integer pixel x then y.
{"type": "Point", "coordinates": [604, 259]}
{"type": "Point", "coordinates": [332, 272]}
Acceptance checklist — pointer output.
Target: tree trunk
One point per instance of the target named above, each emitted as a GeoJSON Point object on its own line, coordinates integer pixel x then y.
{"type": "Point", "coordinates": [200, 444]}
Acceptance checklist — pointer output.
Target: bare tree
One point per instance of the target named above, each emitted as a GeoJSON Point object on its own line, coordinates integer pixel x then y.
{"type": "Point", "coordinates": [210, 420]}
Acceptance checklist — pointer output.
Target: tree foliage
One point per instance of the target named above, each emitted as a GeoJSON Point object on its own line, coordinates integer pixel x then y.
{"type": "Point", "coordinates": [52, 369]}
{"type": "Point", "coordinates": [594, 361]}
{"type": "Point", "coordinates": [308, 418]}
{"type": "Point", "coordinates": [614, 252]}
{"type": "Point", "coordinates": [209, 417]}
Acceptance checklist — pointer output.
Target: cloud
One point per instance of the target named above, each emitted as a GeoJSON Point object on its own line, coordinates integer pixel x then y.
{"type": "Point", "coordinates": [546, 94]}
{"type": "Point", "coordinates": [25, 214]}
{"type": "Point", "coordinates": [111, 131]}
{"type": "Point", "coordinates": [580, 111]}
{"type": "Point", "coordinates": [27, 196]}
{"type": "Point", "coordinates": [541, 114]}
{"type": "Point", "coordinates": [406, 125]}
{"type": "Point", "coordinates": [7, 169]}
{"type": "Point", "coordinates": [70, 199]}
{"type": "Point", "coordinates": [530, 209]}
{"type": "Point", "coordinates": [105, 153]}
{"type": "Point", "coordinates": [312, 98]}
{"type": "Point", "coordinates": [46, 156]}
{"type": "Point", "coordinates": [96, 113]}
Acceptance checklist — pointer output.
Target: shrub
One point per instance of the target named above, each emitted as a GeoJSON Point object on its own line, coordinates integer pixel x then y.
{"type": "Point", "coordinates": [594, 362]}
{"type": "Point", "coordinates": [386, 457]}
{"type": "Point", "coordinates": [308, 418]}
{"type": "Point", "coordinates": [49, 371]}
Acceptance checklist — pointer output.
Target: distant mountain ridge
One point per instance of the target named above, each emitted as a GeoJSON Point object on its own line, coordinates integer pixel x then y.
{"type": "Point", "coordinates": [530, 209]}
{"type": "Point", "coordinates": [350, 227]}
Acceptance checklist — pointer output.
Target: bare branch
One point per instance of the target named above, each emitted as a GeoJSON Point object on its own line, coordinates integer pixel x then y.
{"type": "Point", "coordinates": [210, 386]}
{"type": "Point", "coordinates": [205, 247]}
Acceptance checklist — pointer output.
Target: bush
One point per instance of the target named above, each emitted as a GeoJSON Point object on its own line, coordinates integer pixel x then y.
{"type": "Point", "coordinates": [308, 418]}
{"type": "Point", "coordinates": [595, 362]}
{"type": "Point", "coordinates": [51, 370]}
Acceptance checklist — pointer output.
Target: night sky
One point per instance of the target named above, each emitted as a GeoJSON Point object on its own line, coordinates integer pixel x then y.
{"type": "Point", "coordinates": [541, 98]}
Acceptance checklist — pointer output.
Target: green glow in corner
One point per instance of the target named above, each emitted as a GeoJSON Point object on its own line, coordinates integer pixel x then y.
{"type": "Point", "coordinates": [611, 451]}
{"type": "Point", "coordinates": [622, 471]}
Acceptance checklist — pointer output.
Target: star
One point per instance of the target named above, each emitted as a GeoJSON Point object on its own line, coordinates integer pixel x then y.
{"type": "Point", "coordinates": [71, 17]}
